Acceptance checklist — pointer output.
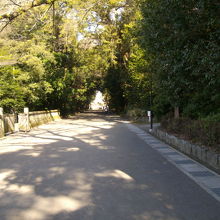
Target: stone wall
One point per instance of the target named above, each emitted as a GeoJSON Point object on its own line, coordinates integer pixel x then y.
{"type": "Point", "coordinates": [2, 130]}
{"type": "Point", "coordinates": [42, 117]}
{"type": "Point", "coordinates": [201, 153]}
{"type": "Point", "coordinates": [26, 120]}
{"type": "Point", "coordinates": [9, 123]}
{"type": "Point", "coordinates": [30, 120]}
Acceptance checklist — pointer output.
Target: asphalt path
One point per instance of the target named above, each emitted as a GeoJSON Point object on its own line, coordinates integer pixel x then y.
{"type": "Point", "coordinates": [92, 167]}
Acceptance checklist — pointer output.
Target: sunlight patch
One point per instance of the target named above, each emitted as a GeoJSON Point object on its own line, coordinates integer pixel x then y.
{"type": "Point", "coordinates": [33, 154]}
{"type": "Point", "coordinates": [31, 206]}
{"type": "Point", "coordinates": [20, 189]}
{"type": "Point", "coordinates": [5, 177]}
{"type": "Point", "coordinates": [49, 136]}
{"type": "Point", "coordinates": [51, 206]}
{"type": "Point", "coordinates": [72, 149]}
{"type": "Point", "coordinates": [57, 170]}
{"type": "Point", "coordinates": [14, 148]}
{"type": "Point", "coordinates": [116, 174]}
{"type": "Point", "coordinates": [9, 175]}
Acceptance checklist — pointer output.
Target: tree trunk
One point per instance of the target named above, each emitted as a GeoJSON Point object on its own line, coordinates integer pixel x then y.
{"type": "Point", "coordinates": [176, 112]}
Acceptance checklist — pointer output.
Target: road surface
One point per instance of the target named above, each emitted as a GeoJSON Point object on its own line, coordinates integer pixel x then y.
{"type": "Point", "coordinates": [93, 167]}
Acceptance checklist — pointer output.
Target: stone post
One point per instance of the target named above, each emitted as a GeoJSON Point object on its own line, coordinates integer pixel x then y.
{"type": "Point", "coordinates": [27, 124]}
{"type": "Point", "coordinates": [2, 125]}
{"type": "Point", "coordinates": [16, 129]}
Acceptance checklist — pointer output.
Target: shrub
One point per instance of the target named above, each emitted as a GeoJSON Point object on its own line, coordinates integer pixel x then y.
{"type": "Point", "coordinates": [136, 113]}
{"type": "Point", "coordinates": [204, 131]}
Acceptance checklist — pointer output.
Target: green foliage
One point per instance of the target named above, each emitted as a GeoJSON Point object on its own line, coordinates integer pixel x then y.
{"type": "Point", "coordinates": [136, 113]}
{"type": "Point", "coordinates": [204, 132]}
{"type": "Point", "coordinates": [138, 84]}
{"type": "Point", "coordinates": [32, 63]}
{"type": "Point", "coordinates": [182, 39]}
{"type": "Point", "coordinates": [113, 84]}
{"type": "Point", "coordinates": [134, 50]}
{"type": "Point", "coordinates": [212, 118]}
{"type": "Point", "coordinates": [72, 91]}
{"type": "Point", "coordinates": [12, 92]}
{"type": "Point", "coordinates": [55, 71]}
{"type": "Point", "coordinates": [128, 80]}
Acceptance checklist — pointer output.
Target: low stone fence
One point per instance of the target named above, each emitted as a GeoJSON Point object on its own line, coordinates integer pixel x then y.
{"type": "Point", "coordinates": [29, 120]}
{"type": "Point", "coordinates": [200, 153]}
{"type": "Point", "coordinates": [42, 117]}
{"type": "Point", "coordinates": [10, 123]}
{"type": "Point", "coordinates": [2, 126]}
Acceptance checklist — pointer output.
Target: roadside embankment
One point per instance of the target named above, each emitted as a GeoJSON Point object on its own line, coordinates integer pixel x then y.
{"type": "Point", "coordinates": [201, 153]}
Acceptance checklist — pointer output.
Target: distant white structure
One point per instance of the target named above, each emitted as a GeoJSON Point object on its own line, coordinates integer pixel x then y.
{"type": "Point", "coordinates": [98, 103]}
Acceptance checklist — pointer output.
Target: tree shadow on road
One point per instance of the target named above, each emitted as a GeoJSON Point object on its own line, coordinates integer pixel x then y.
{"type": "Point", "coordinates": [84, 168]}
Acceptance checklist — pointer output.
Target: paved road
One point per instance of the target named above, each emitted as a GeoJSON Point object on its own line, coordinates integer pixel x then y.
{"type": "Point", "coordinates": [92, 167]}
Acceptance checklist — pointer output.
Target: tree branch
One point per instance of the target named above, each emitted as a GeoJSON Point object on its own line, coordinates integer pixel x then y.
{"type": "Point", "coordinates": [15, 3]}
{"type": "Point", "coordinates": [41, 17]}
{"type": "Point", "coordinates": [23, 9]}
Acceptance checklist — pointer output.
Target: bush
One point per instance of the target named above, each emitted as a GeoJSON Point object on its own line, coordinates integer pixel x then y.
{"type": "Point", "coordinates": [136, 113]}
{"type": "Point", "coordinates": [204, 131]}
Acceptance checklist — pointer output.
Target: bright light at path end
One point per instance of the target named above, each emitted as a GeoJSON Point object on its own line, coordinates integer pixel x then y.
{"type": "Point", "coordinates": [98, 103]}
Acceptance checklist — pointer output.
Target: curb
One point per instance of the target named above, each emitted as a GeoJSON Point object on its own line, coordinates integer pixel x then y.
{"type": "Point", "coordinates": [205, 177]}
{"type": "Point", "coordinates": [197, 152]}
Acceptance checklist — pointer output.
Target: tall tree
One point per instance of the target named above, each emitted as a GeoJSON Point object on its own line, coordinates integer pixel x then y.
{"type": "Point", "coordinates": [182, 39]}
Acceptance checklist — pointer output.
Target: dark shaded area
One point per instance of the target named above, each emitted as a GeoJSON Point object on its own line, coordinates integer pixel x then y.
{"type": "Point", "coordinates": [203, 132]}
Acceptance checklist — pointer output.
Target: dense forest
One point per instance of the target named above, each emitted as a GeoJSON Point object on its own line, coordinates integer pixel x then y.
{"type": "Point", "coordinates": [141, 54]}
